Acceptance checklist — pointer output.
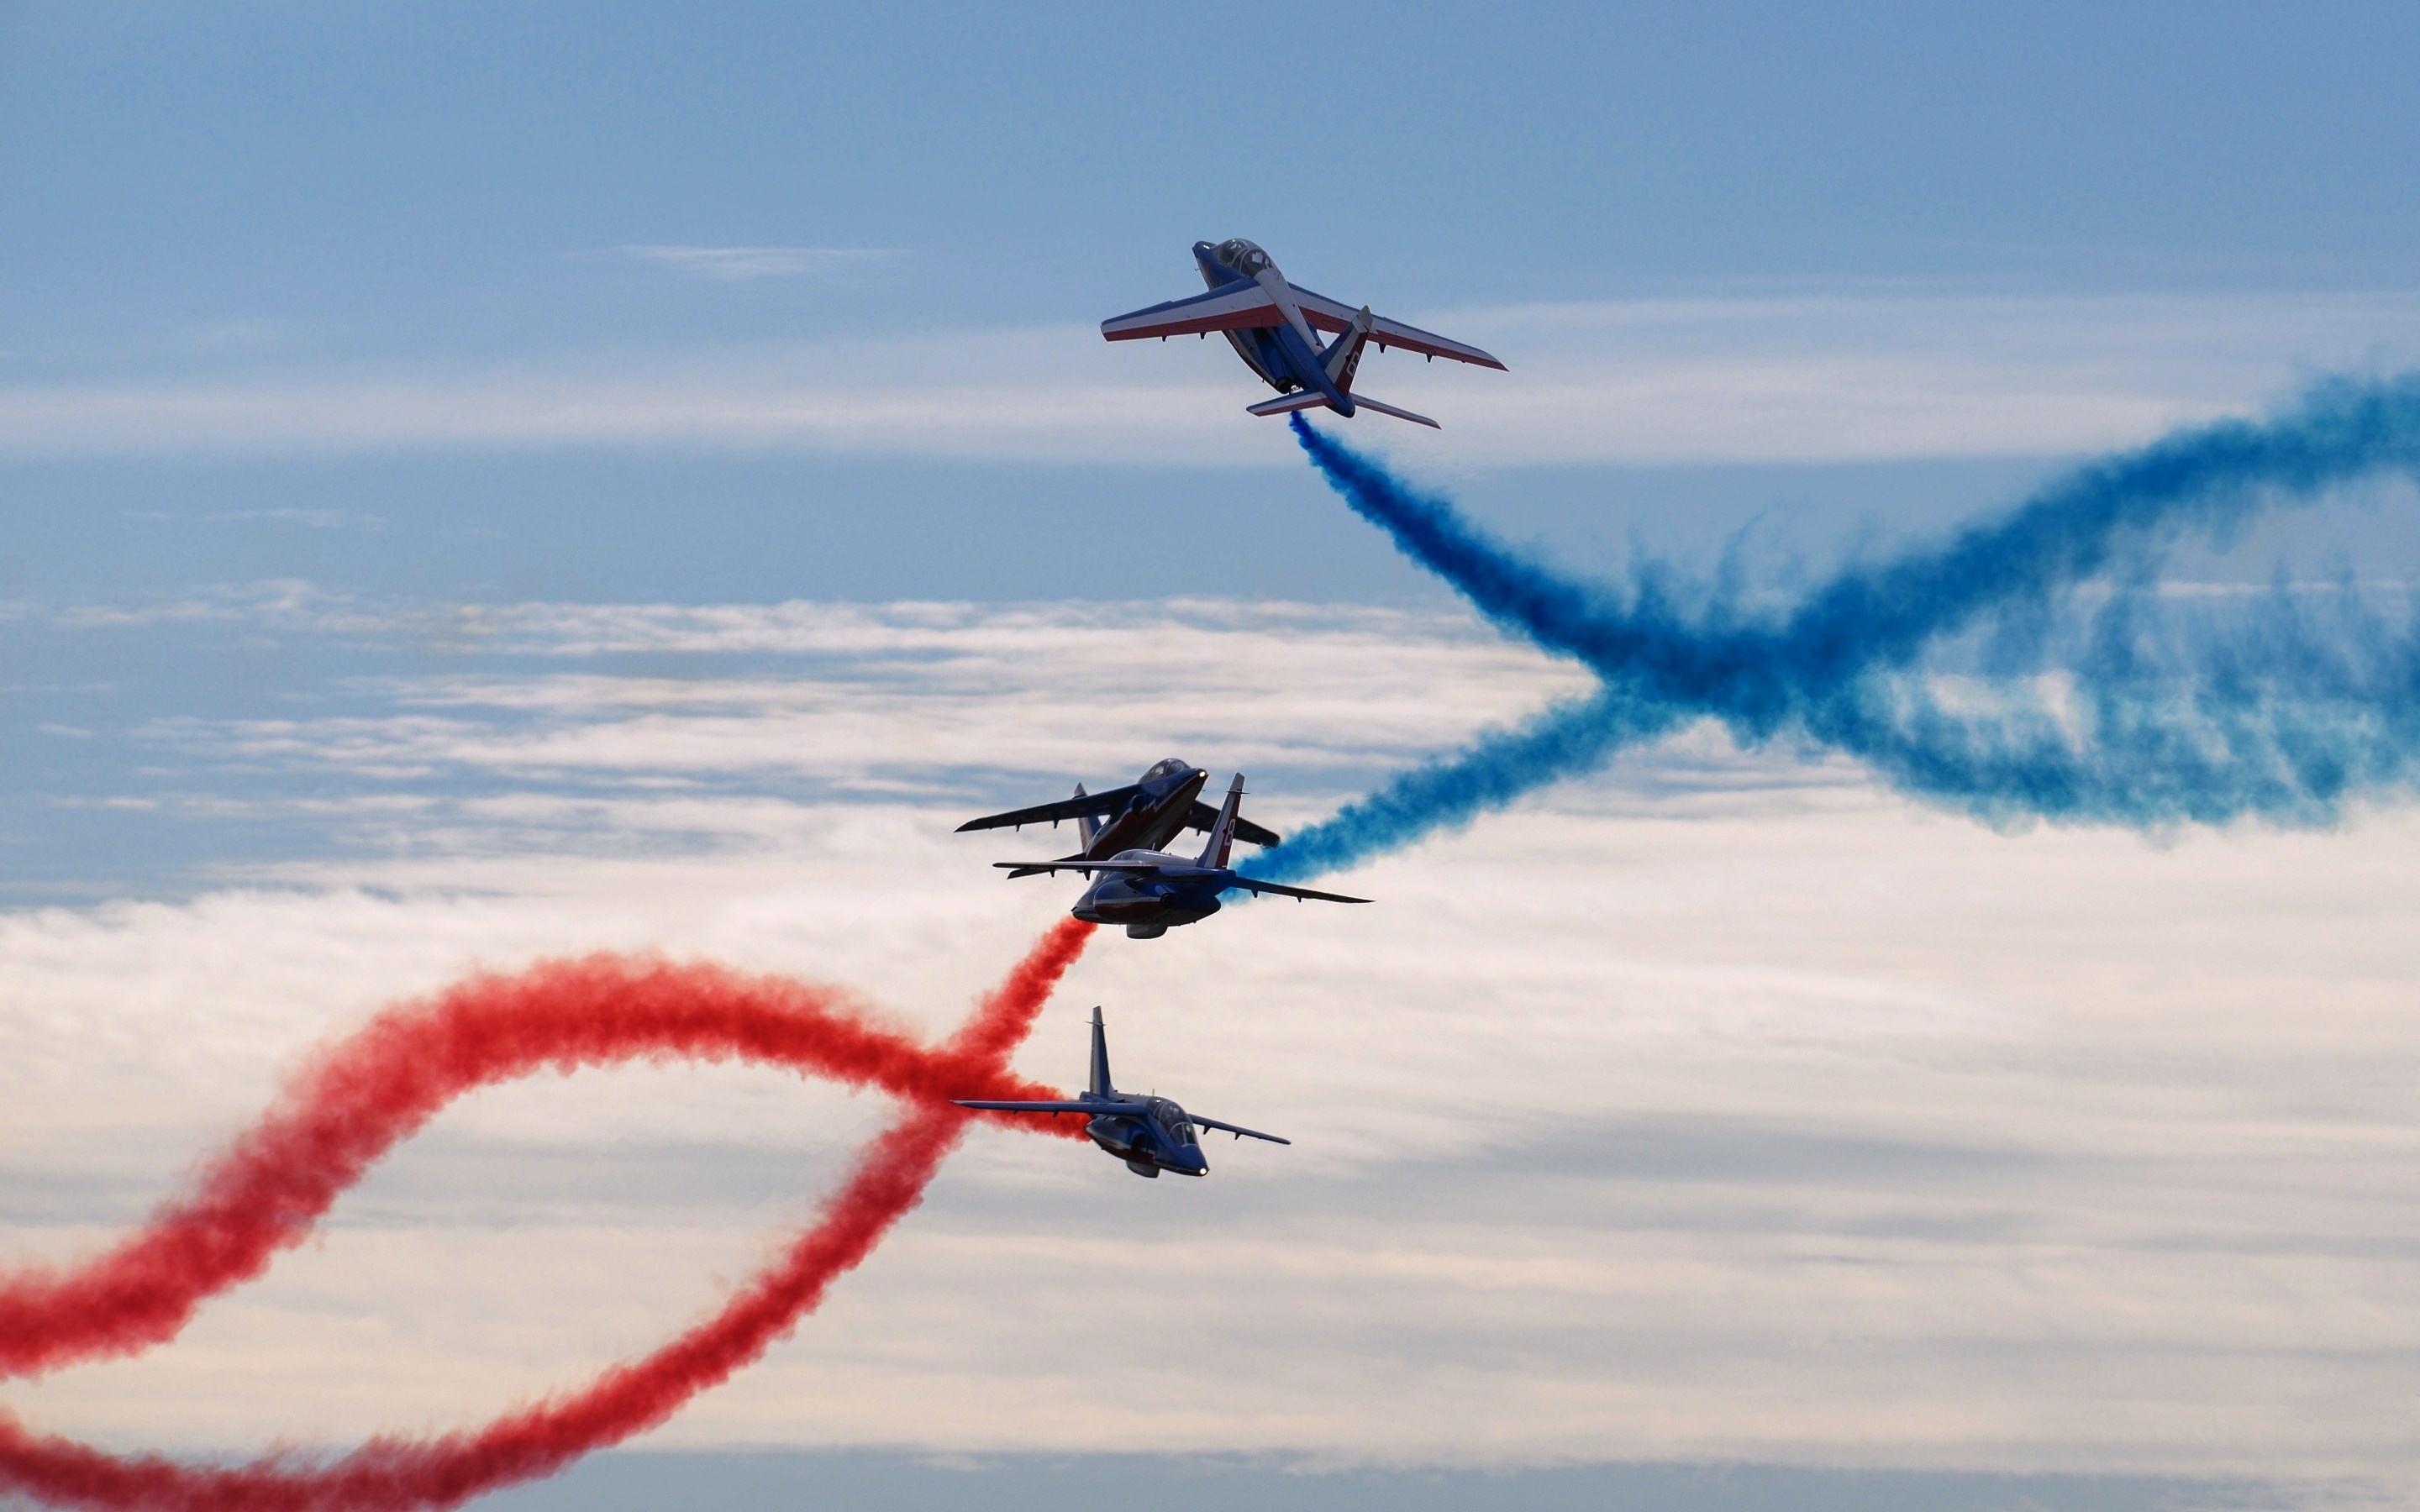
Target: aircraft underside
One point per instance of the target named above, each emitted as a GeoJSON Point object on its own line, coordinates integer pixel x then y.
{"type": "Point", "coordinates": [1146, 915]}
{"type": "Point", "coordinates": [1139, 1160]}
{"type": "Point", "coordinates": [1247, 345]}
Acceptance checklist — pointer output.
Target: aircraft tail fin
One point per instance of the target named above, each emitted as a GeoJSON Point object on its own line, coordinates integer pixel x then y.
{"type": "Point", "coordinates": [1222, 834]}
{"type": "Point", "coordinates": [1342, 358]}
{"type": "Point", "coordinates": [1100, 1055]}
{"type": "Point", "coordinates": [1086, 824]}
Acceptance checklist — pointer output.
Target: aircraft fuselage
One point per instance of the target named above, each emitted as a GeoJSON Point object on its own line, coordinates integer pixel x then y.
{"type": "Point", "coordinates": [1150, 1134]}
{"type": "Point", "coordinates": [1277, 353]}
{"type": "Point", "coordinates": [1145, 904]}
{"type": "Point", "coordinates": [1153, 1137]}
{"type": "Point", "coordinates": [1274, 325]}
{"type": "Point", "coordinates": [1155, 815]}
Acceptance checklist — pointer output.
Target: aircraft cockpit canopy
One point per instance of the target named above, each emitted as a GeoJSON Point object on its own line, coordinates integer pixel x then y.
{"type": "Point", "coordinates": [1174, 767]}
{"type": "Point", "coordinates": [1243, 257]}
{"type": "Point", "coordinates": [1172, 1119]}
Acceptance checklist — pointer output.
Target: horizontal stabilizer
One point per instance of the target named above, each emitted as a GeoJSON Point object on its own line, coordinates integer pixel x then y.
{"type": "Point", "coordinates": [1126, 1110]}
{"type": "Point", "coordinates": [1313, 399]}
{"type": "Point", "coordinates": [1283, 403]}
{"type": "Point", "coordinates": [1203, 816]}
{"type": "Point", "coordinates": [1362, 401]}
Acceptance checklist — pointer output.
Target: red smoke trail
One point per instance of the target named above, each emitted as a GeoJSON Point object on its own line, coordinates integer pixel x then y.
{"type": "Point", "coordinates": [367, 1092]}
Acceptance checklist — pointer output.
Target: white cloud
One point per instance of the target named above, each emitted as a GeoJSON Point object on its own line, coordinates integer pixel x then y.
{"type": "Point", "coordinates": [316, 519]}
{"type": "Point", "coordinates": [1770, 1118]}
{"type": "Point", "coordinates": [1824, 1132]}
{"type": "Point", "coordinates": [1044, 690]}
{"type": "Point", "coordinates": [742, 264]}
{"type": "Point", "coordinates": [1855, 377]}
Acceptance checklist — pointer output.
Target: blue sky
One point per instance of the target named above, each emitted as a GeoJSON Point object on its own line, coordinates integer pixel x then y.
{"type": "Point", "coordinates": [490, 481]}
{"type": "Point", "coordinates": [410, 179]}
{"type": "Point", "coordinates": [449, 227]}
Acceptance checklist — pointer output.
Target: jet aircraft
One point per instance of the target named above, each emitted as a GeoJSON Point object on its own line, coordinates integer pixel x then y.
{"type": "Point", "coordinates": [1145, 815]}
{"type": "Point", "coordinates": [1151, 891]}
{"type": "Point", "coordinates": [1274, 326]}
{"type": "Point", "coordinates": [1151, 1134]}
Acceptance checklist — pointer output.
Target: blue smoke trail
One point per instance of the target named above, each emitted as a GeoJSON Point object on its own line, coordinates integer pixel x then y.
{"type": "Point", "coordinates": [1564, 740]}
{"type": "Point", "coordinates": [2144, 728]}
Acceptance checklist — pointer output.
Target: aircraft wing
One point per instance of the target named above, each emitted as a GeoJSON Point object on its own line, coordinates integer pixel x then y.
{"type": "Point", "coordinates": [1109, 801]}
{"type": "Point", "coordinates": [1088, 866]}
{"type": "Point", "coordinates": [1284, 891]}
{"type": "Point", "coordinates": [1229, 307]}
{"type": "Point", "coordinates": [1015, 870]}
{"type": "Point", "coordinates": [1180, 872]}
{"type": "Point", "coordinates": [1332, 315]}
{"type": "Point", "coordinates": [1236, 1129]}
{"type": "Point", "coordinates": [1203, 817]}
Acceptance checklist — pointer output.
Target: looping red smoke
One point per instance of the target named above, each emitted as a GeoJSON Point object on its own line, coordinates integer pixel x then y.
{"type": "Point", "coordinates": [365, 1093]}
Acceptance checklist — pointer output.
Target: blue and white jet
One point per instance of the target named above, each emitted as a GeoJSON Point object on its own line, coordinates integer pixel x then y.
{"type": "Point", "coordinates": [1275, 327]}
{"type": "Point", "coordinates": [1151, 1134]}
{"type": "Point", "coordinates": [1145, 815]}
{"type": "Point", "coordinates": [1151, 891]}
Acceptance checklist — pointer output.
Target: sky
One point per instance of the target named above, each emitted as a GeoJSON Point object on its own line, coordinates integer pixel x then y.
{"type": "Point", "coordinates": [490, 483]}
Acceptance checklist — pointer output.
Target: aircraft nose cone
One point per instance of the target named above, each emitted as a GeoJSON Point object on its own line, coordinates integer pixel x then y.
{"type": "Point", "coordinates": [1191, 1158]}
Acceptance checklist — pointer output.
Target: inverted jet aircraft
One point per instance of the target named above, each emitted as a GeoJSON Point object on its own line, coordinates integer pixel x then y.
{"type": "Point", "coordinates": [1151, 1134]}
{"type": "Point", "coordinates": [1151, 891]}
{"type": "Point", "coordinates": [1273, 327]}
{"type": "Point", "coordinates": [1144, 816]}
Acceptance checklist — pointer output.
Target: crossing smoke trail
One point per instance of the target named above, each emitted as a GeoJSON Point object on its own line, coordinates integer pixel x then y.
{"type": "Point", "coordinates": [2137, 723]}
{"type": "Point", "coordinates": [374, 1089]}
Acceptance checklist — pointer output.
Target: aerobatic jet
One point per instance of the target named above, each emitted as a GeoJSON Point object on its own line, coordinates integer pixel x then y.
{"type": "Point", "coordinates": [1144, 816]}
{"type": "Point", "coordinates": [1273, 327]}
{"type": "Point", "coordinates": [1151, 1134]}
{"type": "Point", "coordinates": [1151, 892]}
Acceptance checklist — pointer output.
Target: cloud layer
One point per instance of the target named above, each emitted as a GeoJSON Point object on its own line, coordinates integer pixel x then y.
{"type": "Point", "coordinates": [1716, 1106]}
{"type": "Point", "coordinates": [736, 265]}
{"type": "Point", "coordinates": [1856, 376]}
